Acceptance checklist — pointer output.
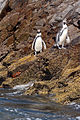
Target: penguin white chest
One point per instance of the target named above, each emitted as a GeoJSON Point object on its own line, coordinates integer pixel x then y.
{"type": "Point", "coordinates": [38, 44]}
{"type": "Point", "coordinates": [63, 37]}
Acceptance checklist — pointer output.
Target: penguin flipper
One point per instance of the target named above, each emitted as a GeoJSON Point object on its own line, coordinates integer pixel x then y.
{"type": "Point", "coordinates": [68, 39]}
{"type": "Point", "coordinates": [44, 44]}
{"type": "Point", "coordinates": [33, 44]}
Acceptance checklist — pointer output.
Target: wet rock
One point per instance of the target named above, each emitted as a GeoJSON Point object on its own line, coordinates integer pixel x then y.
{"type": "Point", "coordinates": [2, 79]}
{"type": "Point", "coordinates": [6, 86]}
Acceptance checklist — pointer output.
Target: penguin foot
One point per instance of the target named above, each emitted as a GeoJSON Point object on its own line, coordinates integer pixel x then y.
{"type": "Point", "coordinates": [55, 45]}
{"type": "Point", "coordinates": [63, 48]}
{"type": "Point", "coordinates": [59, 47]}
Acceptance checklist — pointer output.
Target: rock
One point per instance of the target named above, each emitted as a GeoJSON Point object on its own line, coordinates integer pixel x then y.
{"type": "Point", "coordinates": [9, 40]}
{"type": "Point", "coordinates": [52, 19]}
{"type": "Point", "coordinates": [53, 72]}
{"type": "Point", "coordinates": [8, 22]}
{"type": "Point", "coordinates": [77, 3]}
{"type": "Point", "coordinates": [41, 22]}
{"type": "Point", "coordinates": [3, 4]}
{"type": "Point", "coordinates": [63, 14]}
{"type": "Point", "coordinates": [78, 10]}
{"type": "Point", "coordinates": [4, 8]}
{"type": "Point", "coordinates": [2, 80]}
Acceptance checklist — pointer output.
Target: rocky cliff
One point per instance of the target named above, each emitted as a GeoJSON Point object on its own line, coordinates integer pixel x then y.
{"type": "Point", "coordinates": [54, 72]}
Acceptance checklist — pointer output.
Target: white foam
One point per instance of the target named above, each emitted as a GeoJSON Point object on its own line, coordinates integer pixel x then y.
{"type": "Point", "coordinates": [28, 118]}
{"type": "Point", "coordinates": [19, 119]}
{"type": "Point", "coordinates": [38, 119]}
{"type": "Point", "coordinates": [6, 109]}
{"type": "Point", "coordinates": [11, 110]}
{"type": "Point", "coordinates": [23, 119]}
{"type": "Point", "coordinates": [78, 118]}
{"type": "Point", "coordinates": [76, 106]}
{"type": "Point", "coordinates": [23, 87]}
{"type": "Point", "coordinates": [73, 103]}
{"type": "Point", "coordinates": [13, 93]}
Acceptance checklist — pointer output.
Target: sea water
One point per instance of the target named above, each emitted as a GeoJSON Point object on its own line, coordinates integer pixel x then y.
{"type": "Point", "coordinates": [16, 106]}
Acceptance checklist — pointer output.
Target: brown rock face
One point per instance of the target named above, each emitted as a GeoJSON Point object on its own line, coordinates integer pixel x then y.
{"type": "Point", "coordinates": [53, 72]}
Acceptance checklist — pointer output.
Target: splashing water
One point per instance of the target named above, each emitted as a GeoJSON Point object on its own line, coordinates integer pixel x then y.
{"type": "Point", "coordinates": [21, 107]}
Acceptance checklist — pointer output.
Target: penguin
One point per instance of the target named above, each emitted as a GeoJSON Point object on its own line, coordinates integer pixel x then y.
{"type": "Point", "coordinates": [62, 35]}
{"type": "Point", "coordinates": [38, 43]}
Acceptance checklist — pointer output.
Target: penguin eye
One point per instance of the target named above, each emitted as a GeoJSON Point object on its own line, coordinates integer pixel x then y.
{"type": "Point", "coordinates": [64, 23]}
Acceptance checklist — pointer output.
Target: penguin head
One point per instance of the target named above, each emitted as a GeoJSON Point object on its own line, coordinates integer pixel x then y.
{"type": "Point", "coordinates": [39, 32]}
{"type": "Point", "coordinates": [64, 21]}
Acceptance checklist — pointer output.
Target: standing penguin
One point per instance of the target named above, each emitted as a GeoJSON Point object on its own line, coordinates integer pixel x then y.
{"type": "Point", "coordinates": [62, 35]}
{"type": "Point", "coordinates": [38, 42]}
